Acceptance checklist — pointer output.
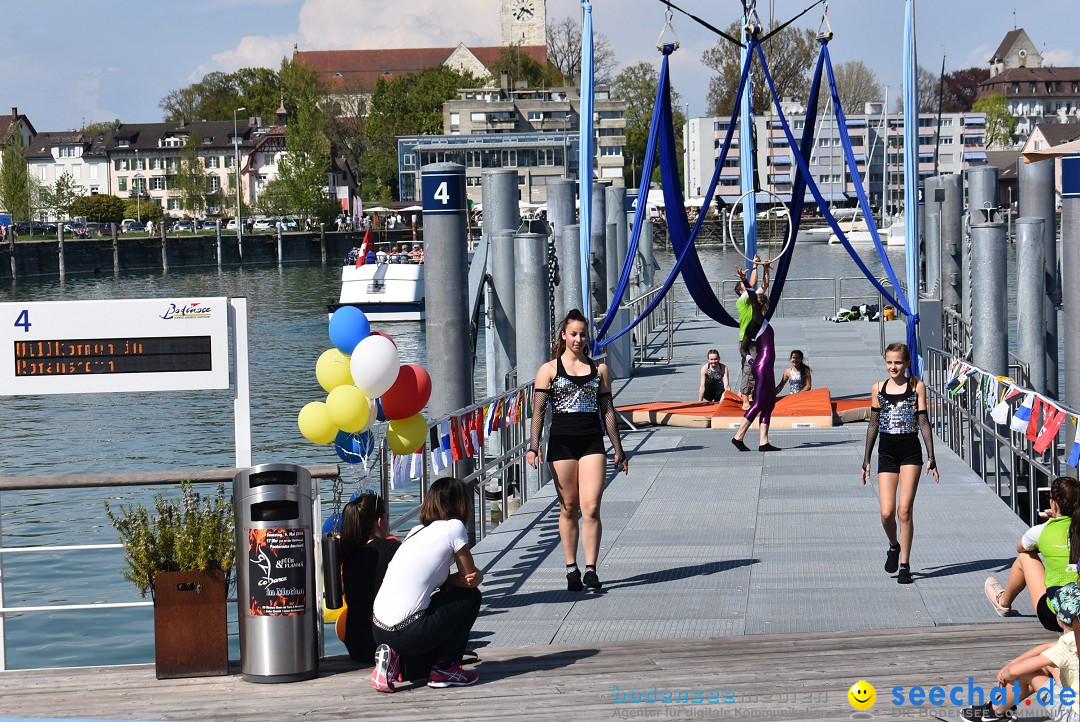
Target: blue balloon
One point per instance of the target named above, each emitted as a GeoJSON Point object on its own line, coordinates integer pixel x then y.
{"type": "Point", "coordinates": [379, 415]}
{"type": "Point", "coordinates": [332, 524]}
{"type": "Point", "coordinates": [353, 448]}
{"type": "Point", "coordinates": [348, 327]}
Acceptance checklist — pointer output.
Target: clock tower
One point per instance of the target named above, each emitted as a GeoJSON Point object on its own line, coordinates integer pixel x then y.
{"type": "Point", "coordinates": [524, 22]}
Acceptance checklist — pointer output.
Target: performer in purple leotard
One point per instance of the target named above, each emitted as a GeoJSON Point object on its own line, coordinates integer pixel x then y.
{"type": "Point", "coordinates": [760, 344]}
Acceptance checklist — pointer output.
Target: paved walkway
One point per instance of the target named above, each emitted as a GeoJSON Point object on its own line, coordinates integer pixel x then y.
{"type": "Point", "coordinates": [701, 540]}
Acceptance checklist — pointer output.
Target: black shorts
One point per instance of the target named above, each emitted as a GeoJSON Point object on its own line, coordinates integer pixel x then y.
{"type": "Point", "coordinates": [896, 450]}
{"type": "Point", "coordinates": [1047, 617]}
{"type": "Point", "coordinates": [564, 447]}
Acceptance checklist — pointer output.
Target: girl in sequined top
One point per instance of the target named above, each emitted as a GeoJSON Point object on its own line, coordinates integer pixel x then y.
{"type": "Point", "coordinates": [579, 394]}
{"type": "Point", "coordinates": [898, 416]}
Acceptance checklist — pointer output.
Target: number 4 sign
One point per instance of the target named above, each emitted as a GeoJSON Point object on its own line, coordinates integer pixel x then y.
{"type": "Point", "coordinates": [443, 189]}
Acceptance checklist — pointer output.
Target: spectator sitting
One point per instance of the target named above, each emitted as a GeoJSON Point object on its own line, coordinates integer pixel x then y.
{"type": "Point", "coordinates": [1058, 541]}
{"type": "Point", "coordinates": [380, 256]}
{"type": "Point", "coordinates": [416, 255]}
{"type": "Point", "coordinates": [370, 257]}
{"type": "Point", "coordinates": [366, 550]}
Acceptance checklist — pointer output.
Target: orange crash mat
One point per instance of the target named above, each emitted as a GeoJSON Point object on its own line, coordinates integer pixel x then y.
{"type": "Point", "coordinates": [810, 409]}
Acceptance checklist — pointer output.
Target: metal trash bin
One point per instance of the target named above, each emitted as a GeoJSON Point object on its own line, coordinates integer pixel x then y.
{"type": "Point", "coordinates": [275, 574]}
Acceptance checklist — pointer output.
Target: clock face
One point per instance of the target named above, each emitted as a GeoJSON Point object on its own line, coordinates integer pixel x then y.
{"type": "Point", "coordinates": [523, 9]}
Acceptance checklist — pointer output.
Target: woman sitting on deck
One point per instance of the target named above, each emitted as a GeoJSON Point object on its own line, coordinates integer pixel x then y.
{"type": "Point", "coordinates": [423, 614]}
{"type": "Point", "coordinates": [797, 377]}
{"type": "Point", "coordinates": [714, 378]}
{"type": "Point", "coordinates": [1058, 541]}
{"type": "Point", "coordinates": [365, 553]}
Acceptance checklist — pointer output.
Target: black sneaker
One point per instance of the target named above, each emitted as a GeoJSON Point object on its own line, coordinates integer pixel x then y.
{"type": "Point", "coordinates": [573, 581]}
{"type": "Point", "coordinates": [591, 580]}
{"type": "Point", "coordinates": [989, 715]}
{"type": "Point", "coordinates": [768, 447]}
{"type": "Point", "coordinates": [738, 443]}
{"type": "Point", "coordinates": [975, 713]}
{"type": "Point", "coordinates": [904, 576]}
{"type": "Point", "coordinates": [892, 559]}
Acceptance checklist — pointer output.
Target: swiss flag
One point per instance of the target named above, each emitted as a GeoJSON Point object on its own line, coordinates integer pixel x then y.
{"type": "Point", "coordinates": [364, 248]}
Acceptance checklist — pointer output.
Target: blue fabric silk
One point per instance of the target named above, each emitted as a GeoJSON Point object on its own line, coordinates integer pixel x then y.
{"type": "Point", "coordinates": [585, 155]}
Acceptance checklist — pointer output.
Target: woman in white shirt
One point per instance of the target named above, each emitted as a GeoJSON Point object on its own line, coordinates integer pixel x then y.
{"type": "Point", "coordinates": [423, 614]}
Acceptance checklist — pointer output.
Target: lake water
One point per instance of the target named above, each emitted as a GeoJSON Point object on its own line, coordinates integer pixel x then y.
{"type": "Point", "coordinates": [128, 432]}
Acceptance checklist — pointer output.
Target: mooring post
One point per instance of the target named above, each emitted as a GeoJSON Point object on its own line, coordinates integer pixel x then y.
{"type": "Point", "coordinates": [932, 236]}
{"type": "Point", "coordinates": [1030, 294]}
{"type": "Point", "coordinates": [115, 250]}
{"type": "Point", "coordinates": [164, 249]}
{"type": "Point", "coordinates": [989, 319]}
{"type": "Point", "coordinates": [11, 247]}
{"type": "Point", "coordinates": [60, 247]}
{"type": "Point", "coordinates": [531, 299]}
{"type": "Point", "coordinates": [1070, 302]}
{"type": "Point", "coordinates": [982, 195]}
{"type": "Point", "coordinates": [611, 266]}
{"type": "Point", "coordinates": [615, 213]}
{"type": "Point", "coordinates": [598, 252]}
{"type": "Point", "coordinates": [501, 220]}
{"type": "Point", "coordinates": [1037, 200]}
{"type": "Point", "coordinates": [561, 193]}
{"type": "Point", "coordinates": [445, 273]}
{"type": "Point", "coordinates": [322, 243]}
{"type": "Point", "coordinates": [952, 221]}
{"type": "Point", "coordinates": [217, 243]}
{"type": "Point", "coordinates": [570, 265]}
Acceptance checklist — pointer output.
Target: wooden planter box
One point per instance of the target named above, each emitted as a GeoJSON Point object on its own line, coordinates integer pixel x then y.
{"type": "Point", "coordinates": [191, 637]}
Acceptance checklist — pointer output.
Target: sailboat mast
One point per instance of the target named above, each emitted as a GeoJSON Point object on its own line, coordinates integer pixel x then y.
{"type": "Point", "coordinates": [885, 160]}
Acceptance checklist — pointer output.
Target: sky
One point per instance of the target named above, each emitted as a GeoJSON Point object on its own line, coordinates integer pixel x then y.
{"type": "Point", "coordinates": [118, 58]}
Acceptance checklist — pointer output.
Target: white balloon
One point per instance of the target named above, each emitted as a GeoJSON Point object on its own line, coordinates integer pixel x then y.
{"type": "Point", "coordinates": [374, 365]}
{"type": "Point", "coordinates": [373, 411]}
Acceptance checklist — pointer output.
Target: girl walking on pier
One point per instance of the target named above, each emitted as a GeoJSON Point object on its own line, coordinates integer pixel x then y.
{"type": "Point", "coordinates": [898, 416]}
{"type": "Point", "coordinates": [579, 391]}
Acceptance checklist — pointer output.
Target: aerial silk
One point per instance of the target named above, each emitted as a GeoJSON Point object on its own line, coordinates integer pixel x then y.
{"type": "Point", "coordinates": [911, 182]}
{"type": "Point", "coordinates": [585, 157]}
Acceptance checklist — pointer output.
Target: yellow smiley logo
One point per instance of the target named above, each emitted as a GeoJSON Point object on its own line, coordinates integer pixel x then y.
{"type": "Point", "coordinates": [862, 695]}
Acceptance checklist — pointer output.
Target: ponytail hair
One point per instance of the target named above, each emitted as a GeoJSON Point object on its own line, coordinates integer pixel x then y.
{"type": "Point", "coordinates": [560, 343]}
{"type": "Point", "coordinates": [360, 517]}
{"type": "Point", "coordinates": [1065, 490]}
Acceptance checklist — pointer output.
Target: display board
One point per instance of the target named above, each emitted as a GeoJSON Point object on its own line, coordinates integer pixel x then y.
{"type": "Point", "coordinates": [69, 347]}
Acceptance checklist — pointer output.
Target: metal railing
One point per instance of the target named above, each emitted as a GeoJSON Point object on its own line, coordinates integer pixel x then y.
{"type": "Point", "coordinates": [660, 323]}
{"type": "Point", "coordinates": [836, 291]}
{"type": "Point", "coordinates": [108, 482]}
{"type": "Point", "coordinates": [1003, 458]}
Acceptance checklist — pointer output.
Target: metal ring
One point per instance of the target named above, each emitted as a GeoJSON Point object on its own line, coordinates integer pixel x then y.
{"type": "Point", "coordinates": [731, 229]}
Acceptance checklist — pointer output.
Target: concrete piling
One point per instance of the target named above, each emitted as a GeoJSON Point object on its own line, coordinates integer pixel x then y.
{"type": "Point", "coordinates": [561, 213]}
{"type": "Point", "coordinates": [598, 250]}
{"type": "Point", "coordinates": [501, 220]}
{"type": "Point", "coordinates": [932, 237]}
{"type": "Point", "coordinates": [1070, 302]}
{"type": "Point", "coordinates": [611, 266]}
{"type": "Point", "coordinates": [1037, 200]}
{"type": "Point", "coordinates": [570, 262]}
{"type": "Point", "coordinates": [981, 199]}
{"type": "Point", "coordinates": [1030, 294]}
{"type": "Point", "coordinates": [60, 248]}
{"type": "Point", "coordinates": [531, 299]}
{"type": "Point", "coordinates": [951, 215]}
{"type": "Point", "coordinates": [989, 320]}
{"type": "Point", "coordinates": [615, 213]}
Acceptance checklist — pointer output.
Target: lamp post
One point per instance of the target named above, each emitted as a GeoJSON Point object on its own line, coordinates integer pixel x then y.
{"type": "Point", "coordinates": [138, 191]}
{"type": "Point", "coordinates": [239, 207]}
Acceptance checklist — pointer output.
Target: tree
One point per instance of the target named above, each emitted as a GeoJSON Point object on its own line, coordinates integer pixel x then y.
{"type": "Point", "coordinates": [410, 105]}
{"type": "Point", "coordinates": [16, 188]}
{"type": "Point", "coordinates": [521, 67]}
{"type": "Point", "coordinates": [636, 85]}
{"type": "Point", "coordinates": [61, 195]}
{"type": "Point", "coordinates": [105, 126]}
{"type": "Point", "coordinates": [99, 208]}
{"type": "Point", "coordinates": [190, 178]}
{"type": "Point", "coordinates": [857, 85]}
{"type": "Point", "coordinates": [145, 209]}
{"type": "Point", "coordinates": [790, 53]}
{"type": "Point", "coordinates": [564, 52]}
{"type": "Point", "coordinates": [962, 89]}
{"type": "Point", "coordinates": [1000, 123]}
{"type": "Point", "coordinates": [306, 163]}
{"type": "Point", "coordinates": [218, 94]}
{"type": "Point", "coordinates": [928, 92]}
{"type": "Point", "coordinates": [273, 200]}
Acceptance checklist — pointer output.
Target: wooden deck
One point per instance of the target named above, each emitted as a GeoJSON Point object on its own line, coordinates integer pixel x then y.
{"type": "Point", "coordinates": [776, 677]}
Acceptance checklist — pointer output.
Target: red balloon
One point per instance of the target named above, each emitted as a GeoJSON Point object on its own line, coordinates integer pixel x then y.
{"type": "Point", "coordinates": [409, 394]}
{"type": "Point", "coordinates": [386, 336]}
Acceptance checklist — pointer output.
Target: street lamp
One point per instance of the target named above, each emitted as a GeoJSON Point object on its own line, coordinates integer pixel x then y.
{"type": "Point", "coordinates": [239, 208]}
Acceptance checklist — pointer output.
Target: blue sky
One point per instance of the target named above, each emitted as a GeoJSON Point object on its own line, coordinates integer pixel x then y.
{"type": "Point", "coordinates": [68, 60]}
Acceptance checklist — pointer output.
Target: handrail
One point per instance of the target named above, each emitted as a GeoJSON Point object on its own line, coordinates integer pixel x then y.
{"type": "Point", "coordinates": [1006, 460]}
{"type": "Point", "coordinates": [163, 477]}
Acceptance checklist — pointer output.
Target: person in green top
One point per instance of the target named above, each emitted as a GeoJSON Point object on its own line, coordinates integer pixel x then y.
{"type": "Point", "coordinates": [744, 288]}
{"type": "Point", "coordinates": [1057, 540]}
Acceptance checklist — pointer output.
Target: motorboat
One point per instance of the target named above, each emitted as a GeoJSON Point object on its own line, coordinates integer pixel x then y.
{"type": "Point", "coordinates": [814, 235]}
{"type": "Point", "coordinates": [383, 291]}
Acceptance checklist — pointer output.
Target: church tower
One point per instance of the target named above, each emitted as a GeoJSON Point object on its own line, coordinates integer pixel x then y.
{"type": "Point", "coordinates": [524, 22]}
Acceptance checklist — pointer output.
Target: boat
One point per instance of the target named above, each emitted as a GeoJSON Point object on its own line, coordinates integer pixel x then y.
{"type": "Point", "coordinates": [814, 235]}
{"type": "Point", "coordinates": [383, 291]}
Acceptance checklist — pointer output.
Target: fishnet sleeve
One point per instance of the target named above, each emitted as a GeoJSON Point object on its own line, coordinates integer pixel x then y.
{"type": "Point", "coordinates": [539, 410]}
{"type": "Point", "coordinates": [927, 436]}
{"type": "Point", "coordinates": [611, 424]}
{"type": "Point", "coordinates": [871, 434]}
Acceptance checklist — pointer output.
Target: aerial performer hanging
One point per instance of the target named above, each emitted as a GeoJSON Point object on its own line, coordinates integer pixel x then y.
{"type": "Point", "coordinates": [661, 143]}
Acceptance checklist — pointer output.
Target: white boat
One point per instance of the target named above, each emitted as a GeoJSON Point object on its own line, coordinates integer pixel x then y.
{"type": "Point", "coordinates": [383, 291]}
{"type": "Point", "coordinates": [814, 235]}
{"type": "Point", "coordinates": [857, 232]}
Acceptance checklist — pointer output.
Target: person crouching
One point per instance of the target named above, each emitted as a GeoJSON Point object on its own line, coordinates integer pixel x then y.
{"type": "Point", "coordinates": [423, 614]}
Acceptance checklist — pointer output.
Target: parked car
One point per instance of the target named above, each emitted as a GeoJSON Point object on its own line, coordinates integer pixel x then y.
{"type": "Point", "coordinates": [40, 227]}
{"type": "Point", "coordinates": [135, 227]}
{"type": "Point", "coordinates": [98, 229]}
{"type": "Point", "coordinates": [209, 225]}
{"type": "Point", "coordinates": [231, 225]}
{"type": "Point", "coordinates": [290, 224]}
{"type": "Point", "coordinates": [183, 227]}
{"type": "Point", "coordinates": [263, 224]}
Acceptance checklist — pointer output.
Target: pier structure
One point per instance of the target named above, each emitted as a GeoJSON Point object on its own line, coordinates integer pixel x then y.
{"type": "Point", "coordinates": [746, 573]}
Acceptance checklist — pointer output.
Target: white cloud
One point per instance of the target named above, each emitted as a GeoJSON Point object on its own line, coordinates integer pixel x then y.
{"type": "Point", "coordinates": [1061, 58]}
{"type": "Point", "coordinates": [356, 24]}
{"type": "Point", "coordinates": [85, 95]}
{"type": "Point", "coordinates": [979, 57]}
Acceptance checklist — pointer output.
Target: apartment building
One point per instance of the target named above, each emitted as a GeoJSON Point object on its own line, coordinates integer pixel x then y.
{"type": "Point", "coordinates": [82, 156]}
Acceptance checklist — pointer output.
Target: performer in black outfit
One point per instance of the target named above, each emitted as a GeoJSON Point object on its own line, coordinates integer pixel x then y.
{"type": "Point", "coordinates": [579, 392]}
{"type": "Point", "coordinates": [898, 415]}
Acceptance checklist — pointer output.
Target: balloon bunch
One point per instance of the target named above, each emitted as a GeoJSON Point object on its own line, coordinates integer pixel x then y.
{"type": "Point", "coordinates": [365, 382]}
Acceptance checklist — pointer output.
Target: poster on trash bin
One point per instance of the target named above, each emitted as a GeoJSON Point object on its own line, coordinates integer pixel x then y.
{"type": "Point", "coordinates": [277, 570]}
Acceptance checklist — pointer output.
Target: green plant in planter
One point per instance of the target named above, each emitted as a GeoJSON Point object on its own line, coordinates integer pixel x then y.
{"type": "Point", "coordinates": [192, 533]}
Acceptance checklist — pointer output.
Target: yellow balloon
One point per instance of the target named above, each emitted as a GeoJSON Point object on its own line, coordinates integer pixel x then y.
{"type": "Point", "coordinates": [332, 370]}
{"type": "Point", "coordinates": [406, 436]}
{"type": "Point", "coordinates": [315, 423]}
{"type": "Point", "coordinates": [348, 408]}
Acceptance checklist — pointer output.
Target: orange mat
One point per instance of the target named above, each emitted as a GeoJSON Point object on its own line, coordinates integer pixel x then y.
{"type": "Point", "coordinates": [810, 409]}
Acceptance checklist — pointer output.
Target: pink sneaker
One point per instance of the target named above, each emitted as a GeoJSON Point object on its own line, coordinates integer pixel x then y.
{"type": "Point", "coordinates": [993, 589]}
{"type": "Point", "coordinates": [387, 669]}
{"type": "Point", "coordinates": [454, 676]}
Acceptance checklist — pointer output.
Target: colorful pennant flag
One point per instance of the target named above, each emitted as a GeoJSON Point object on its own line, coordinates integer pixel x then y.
{"type": "Point", "coordinates": [1023, 414]}
{"type": "Point", "coordinates": [1033, 422]}
{"type": "Point", "coordinates": [1054, 418]}
{"type": "Point", "coordinates": [1074, 452]}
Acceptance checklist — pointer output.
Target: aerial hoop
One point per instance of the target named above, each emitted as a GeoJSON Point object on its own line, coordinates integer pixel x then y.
{"type": "Point", "coordinates": [788, 234]}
